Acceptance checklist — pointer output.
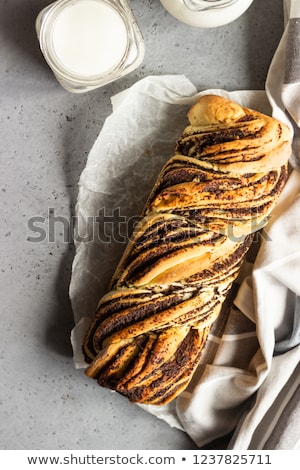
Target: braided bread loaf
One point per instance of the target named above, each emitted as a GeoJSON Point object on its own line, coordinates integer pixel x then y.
{"type": "Point", "coordinates": [224, 179]}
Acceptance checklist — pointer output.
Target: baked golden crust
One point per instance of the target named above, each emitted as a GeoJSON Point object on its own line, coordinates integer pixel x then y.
{"type": "Point", "coordinates": [227, 172]}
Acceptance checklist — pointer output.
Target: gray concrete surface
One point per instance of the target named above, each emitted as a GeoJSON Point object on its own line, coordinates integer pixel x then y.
{"type": "Point", "coordinates": [46, 135]}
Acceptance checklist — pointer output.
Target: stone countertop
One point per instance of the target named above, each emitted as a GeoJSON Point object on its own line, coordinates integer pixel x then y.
{"type": "Point", "coordinates": [47, 133]}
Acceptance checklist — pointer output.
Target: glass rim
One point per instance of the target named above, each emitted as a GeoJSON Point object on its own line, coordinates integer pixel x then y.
{"type": "Point", "coordinates": [46, 30]}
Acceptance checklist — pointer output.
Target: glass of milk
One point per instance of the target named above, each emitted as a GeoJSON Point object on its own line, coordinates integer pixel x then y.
{"type": "Point", "coordinates": [89, 43]}
{"type": "Point", "coordinates": [206, 13]}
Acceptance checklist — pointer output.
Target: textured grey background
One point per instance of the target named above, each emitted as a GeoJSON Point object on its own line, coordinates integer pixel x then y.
{"type": "Point", "coordinates": [46, 134]}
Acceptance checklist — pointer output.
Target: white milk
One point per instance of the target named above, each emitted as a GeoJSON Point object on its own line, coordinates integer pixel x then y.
{"type": "Point", "coordinates": [89, 37]}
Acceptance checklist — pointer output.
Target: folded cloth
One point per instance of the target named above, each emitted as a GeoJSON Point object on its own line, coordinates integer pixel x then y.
{"type": "Point", "coordinates": [283, 78]}
{"type": "Point", "coordinates": [273, 422]}
{"type": "Point", "coordinates": [280, 426]}
{"type": "Point", "coordinates": [285, 434]}
{"type": "Point", "coordinates": [291, 78]}
{"type": "Point", "coordinates": [293, 338]}
{"type": "Point", "coordinates": [276, 290]}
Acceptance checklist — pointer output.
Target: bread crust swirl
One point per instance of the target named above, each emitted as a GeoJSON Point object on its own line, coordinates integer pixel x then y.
{"type": "Point", "coordinates": [227, 172]}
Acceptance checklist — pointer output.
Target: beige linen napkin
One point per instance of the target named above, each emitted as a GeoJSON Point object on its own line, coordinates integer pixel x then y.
{"type": "Point", "coordinates": [283, 79]}
{"type": "Point", "coordinates": [278, 267]}
{"type": "Point", "coordinates": [276, 287]}
{"type": "Point", "coordinates": [291, 43]}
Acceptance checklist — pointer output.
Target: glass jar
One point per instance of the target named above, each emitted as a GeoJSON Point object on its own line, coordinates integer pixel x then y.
{"type": "Point", "coordinates": [89, 43]}
{"type": "Point", "coordinates": [206, 13]}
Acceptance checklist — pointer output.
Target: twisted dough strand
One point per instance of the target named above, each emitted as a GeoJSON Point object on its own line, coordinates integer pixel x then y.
{"type": "Point", "coordinates": [229, 167]}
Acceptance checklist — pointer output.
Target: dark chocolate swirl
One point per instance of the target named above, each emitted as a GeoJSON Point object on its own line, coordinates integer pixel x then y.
{"type": "Point", "coordinates": [219, 188]}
